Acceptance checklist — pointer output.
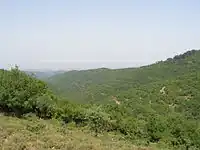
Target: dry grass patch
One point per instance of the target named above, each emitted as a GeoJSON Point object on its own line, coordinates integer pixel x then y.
{"type": "Point", "coordinates": [36, 134]}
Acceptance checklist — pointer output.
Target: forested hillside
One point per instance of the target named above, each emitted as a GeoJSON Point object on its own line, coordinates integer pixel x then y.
{"type": "Point", "coordinates": [156, 106]}
{"type": "Point", "coordinates": [32, 117]}
{"type": "Point", "coordinates": [163, 96]}
{"type": "Point", "coordinates": [100, 85]}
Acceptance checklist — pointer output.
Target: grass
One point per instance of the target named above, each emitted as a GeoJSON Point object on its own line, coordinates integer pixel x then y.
{"type": "Point", "coordinates": [37, 134]}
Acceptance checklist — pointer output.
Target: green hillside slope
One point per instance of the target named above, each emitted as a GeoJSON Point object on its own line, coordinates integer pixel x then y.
{"type": "Point", "coordinates": [100, 85]}
{"type": "Point", "coordinates": [23, 96]}
{"type": "Point", "coordinates": [163, 98]}
{"type": "Point", "coordinates": [36, 134]}
{"type": "Point", "coordinates": [156, 105]}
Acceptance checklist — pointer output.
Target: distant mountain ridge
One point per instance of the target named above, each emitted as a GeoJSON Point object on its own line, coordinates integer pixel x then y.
{"type": "Point", "coordinates": [44, 74]}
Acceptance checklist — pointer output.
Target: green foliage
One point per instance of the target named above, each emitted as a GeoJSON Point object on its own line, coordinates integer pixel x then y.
{"type": "Point", "coordinates": [98, 85]}
{"type": "Point", "coordinates": [158, 103]}
{"type": "Point", "coordinates": [156, 127]}
{"type": "Point", "coordinates": [99, 121]}
{"type": "Point", "coordinates": [20, 92]}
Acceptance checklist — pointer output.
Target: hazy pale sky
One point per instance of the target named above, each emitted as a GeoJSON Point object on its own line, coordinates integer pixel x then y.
{"type": "Point", "coordinates": [71, 34]}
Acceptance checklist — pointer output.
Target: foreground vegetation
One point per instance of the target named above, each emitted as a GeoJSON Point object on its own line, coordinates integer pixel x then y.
{"type": "Point", "coordinates": [153, 105]}
{"type": "Point", "coordinates": [34, 134]}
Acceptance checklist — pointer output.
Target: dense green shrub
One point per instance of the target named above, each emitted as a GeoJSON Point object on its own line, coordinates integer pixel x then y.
{"type": "Point", "coordinates": [20, 94]}
{"type": "Point", "coordinates": [99, 121]}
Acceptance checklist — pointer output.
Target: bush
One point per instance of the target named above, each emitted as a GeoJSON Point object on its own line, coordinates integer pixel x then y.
{"type": "Point", "coordinates": [20, 93]}
{"type": "Point", "coordinates": [99, 121]}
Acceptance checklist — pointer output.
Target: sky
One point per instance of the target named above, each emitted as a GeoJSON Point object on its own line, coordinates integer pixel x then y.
{"type": "Point", "coordinates": [82, 34]}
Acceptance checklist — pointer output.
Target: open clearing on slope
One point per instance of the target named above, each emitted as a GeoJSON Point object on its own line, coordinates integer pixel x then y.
{"type": "Point", "coordinates": [36, 134]}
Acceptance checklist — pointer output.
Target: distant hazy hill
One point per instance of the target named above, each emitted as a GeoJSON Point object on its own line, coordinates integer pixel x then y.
{"type": "Point", "coordinates": [44, 74]}
{"type": "Point", "coordinates": [101, 84]}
